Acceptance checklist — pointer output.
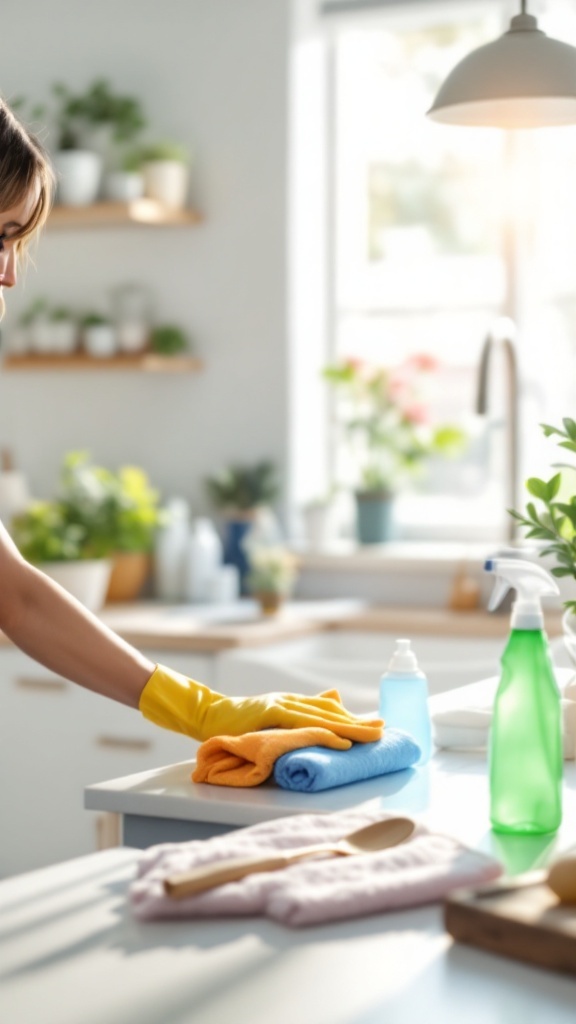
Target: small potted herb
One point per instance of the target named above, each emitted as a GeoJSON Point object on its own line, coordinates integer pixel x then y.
{"type": "Point", "coordinates": [125, 183]}
{"type": "Point", "coordinates": [166, 170]}
{"type": "Point", "coordinates": [98, 335]}
{"type": "Point", "coordinates": [64, 330]}
{"type": "Point", "coordinates": [271, 576]}
{"type": "Point", "coordinates": [168, 340]}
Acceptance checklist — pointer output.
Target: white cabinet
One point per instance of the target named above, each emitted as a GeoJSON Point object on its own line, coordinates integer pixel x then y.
{"type": "Point", "coordinates": [55, 739]}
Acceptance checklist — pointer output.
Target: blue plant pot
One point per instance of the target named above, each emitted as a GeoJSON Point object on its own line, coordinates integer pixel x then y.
{"type": "Point", "coordinates": [235, 533]}
{"type": "Point", "coordinates": [374, 517]}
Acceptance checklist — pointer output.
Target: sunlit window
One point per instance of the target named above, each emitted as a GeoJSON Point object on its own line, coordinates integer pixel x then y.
{"type": "Point", "coordinates": [439, 231]}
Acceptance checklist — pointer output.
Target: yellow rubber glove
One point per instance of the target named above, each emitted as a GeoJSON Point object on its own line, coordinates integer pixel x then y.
{"type": "Point", "coordinates": [183, 705]}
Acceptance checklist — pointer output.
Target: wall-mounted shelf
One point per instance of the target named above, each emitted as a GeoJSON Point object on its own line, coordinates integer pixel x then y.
{"type": "Point", "coordinates": [147, 362]}
{"type": "Point", "coordinates": [106, 215]}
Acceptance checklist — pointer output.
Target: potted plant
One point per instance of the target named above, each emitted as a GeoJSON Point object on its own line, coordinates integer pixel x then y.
{"type": "Point", "coordinates": [64, 330]}
{"type": "Point", "coordinates": [96, 536]}
{"type": "Point", "coordinates": [168, 340]}
{"type": "Point", "coordinates": [121, 511]}
{"type": "Point", "coordinates": [240, 492]}
{"type": "Point", "coordinates": [386, 425]}
{"type": "Point", "coordinates": [98, 335]}
{"type": "Point", "coordinates": [99, 120]}
{"type": "Point", "coordinates": [49, 537]}
{"type": "Point", "coordinates": [34, 324]}
{"type": "Point", "coordinates": [125, 183]}
{"type": "Point", "coordinates": [271, 575]}
{"type": "Point", "coordinates": [166, 170]}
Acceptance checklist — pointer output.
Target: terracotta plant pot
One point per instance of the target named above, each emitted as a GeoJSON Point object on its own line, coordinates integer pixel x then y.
{"type": "Point", "coordinates": [129, 574]}
{"type": "Point", "coordinates": [270, 602]}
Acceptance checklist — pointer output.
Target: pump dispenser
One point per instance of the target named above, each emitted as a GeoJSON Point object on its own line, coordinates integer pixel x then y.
{"type": "Point", "coordinates": [404, 698]}
{"type": "Point", "coordinates": [525, 752]}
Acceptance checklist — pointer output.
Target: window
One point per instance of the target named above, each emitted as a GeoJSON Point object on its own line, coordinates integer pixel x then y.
{"type": "Point", "coordinates": [438, 231]}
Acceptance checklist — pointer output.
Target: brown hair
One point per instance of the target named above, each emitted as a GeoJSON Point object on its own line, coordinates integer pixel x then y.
{"type": "Point", "coordinates": [24, 166]}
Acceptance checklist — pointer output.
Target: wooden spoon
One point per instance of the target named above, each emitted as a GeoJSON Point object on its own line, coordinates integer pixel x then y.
{"type": "Point", "coordinates": [370, 839]}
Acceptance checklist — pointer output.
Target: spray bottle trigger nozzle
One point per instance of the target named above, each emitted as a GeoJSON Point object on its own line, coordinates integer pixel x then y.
{"type": "Point", "coordinates": [501, 588]}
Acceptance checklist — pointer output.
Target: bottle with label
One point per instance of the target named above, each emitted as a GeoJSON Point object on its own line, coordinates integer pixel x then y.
{"type": "Point", "coordinates": [404, 698]}
{"type": "Point", "coordinates": [525, 748]}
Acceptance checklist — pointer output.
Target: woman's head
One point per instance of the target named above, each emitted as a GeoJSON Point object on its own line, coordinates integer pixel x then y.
{"type": "Point", "coordinates": [26, 190]}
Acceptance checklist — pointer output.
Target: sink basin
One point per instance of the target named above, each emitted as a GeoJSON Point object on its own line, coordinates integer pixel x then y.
{"type": "Point", "coordinates": [352, 663]}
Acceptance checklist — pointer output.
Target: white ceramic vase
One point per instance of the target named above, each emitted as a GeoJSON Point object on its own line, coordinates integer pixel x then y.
{"type": "Point", "coordinates": [100, 340]}
{"type": "Point", "coordinates": [123, 186]}
{"type": "Point", "coordinates": [87, 580]}
{"type": "Point", "coordinates": [78, 173]}
{"type": "Point", "coordinates": [167, 182]}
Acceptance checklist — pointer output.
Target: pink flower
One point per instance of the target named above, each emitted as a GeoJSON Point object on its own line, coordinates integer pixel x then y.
{"type": "Point", "coordinates": [353, 363]}
{"type": "Point", "coordinates": [422, 361]}
{"type": "Point", "coordinates": [416, 412]}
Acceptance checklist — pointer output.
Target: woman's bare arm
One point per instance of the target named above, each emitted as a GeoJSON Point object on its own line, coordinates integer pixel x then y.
{"type": "Point", "coordinates": [53, 628]}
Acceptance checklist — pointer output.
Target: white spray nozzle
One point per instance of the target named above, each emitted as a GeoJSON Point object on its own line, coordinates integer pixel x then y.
{"type": "Point", "coordinates": [403, 659]}
{"type": "Point", "coordinates": [531, 582]}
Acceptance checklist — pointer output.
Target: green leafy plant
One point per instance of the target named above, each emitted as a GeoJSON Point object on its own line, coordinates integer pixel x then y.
{"type": "Point", "coordinates": [552, 518]}
{"type": "Point", "coordinates": [98, 105]}
{"type": "Point", "coordinates": [131, 161]}
{"type": "Point", "coordinates": [244, 488]}
{"type": "Point", "coordinates": [43, 533]}
{"type": "Point", "coordinates": [38, 308]}
{"type": "Point", "coordinates": [94, 320]}
{"type": "Point", "coordinates": [96, 513]}
{"type": "Point", "coordinates": [153, 151]}
{"type": "Point", "coordinates": [386, 422]}
{"type": "Point", "coordinates": [58, 314]}
{"type": "Point", "coordinates": [272, 570]}
{"type": "Point", "coordinates": [168, 340]}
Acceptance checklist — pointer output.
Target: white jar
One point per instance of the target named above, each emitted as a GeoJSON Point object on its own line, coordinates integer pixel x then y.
{"type": "Point", "coordinates": [170, 552]}
{"type": "Point", "coordinates": [203, 560]}
{"type": "Point", "coordinates": [78, 173]}
{"type": "Point", "coordinates": [167, 182]}
{"type": "Point", "coordinates": [100, 340]}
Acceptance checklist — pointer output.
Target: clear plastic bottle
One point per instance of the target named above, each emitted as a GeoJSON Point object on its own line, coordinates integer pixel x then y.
{"type": "Point", "coordinates": [203, 559]}
{"type": "Point", "coordinates": [525, 750]}
{"type": "Point", "coordinates": [404, 698]}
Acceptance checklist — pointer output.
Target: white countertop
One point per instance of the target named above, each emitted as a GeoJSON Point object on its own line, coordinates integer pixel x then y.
{"type": "Point", "coordinates": [450, 794]}
{"type": "Point", "coordinates": [71, 953]}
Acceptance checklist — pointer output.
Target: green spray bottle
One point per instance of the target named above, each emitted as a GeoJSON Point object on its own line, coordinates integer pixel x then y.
{"type": "Point", "coordinates": [525, 748]}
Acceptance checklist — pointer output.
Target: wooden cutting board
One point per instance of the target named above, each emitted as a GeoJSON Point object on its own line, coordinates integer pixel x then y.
{"type": "Point", "coordinates": [526, 923]}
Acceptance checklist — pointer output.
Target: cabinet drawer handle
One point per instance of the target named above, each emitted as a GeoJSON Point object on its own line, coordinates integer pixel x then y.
{"type": "Point", "coordinates": [43, 683]}
{"type": "Point", "coordinates": [123, 743]}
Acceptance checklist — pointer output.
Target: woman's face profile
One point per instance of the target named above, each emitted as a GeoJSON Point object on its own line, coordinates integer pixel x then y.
{"type": "Point", "coordinates": [11, 222]}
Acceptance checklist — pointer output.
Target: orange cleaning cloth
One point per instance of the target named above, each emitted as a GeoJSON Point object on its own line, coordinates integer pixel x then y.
{"type": "Point", "coordinates": [249, 760]}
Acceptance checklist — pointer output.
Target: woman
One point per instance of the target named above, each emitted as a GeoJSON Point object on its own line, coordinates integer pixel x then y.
{"type": "Point", "coordinates": [46, 622]}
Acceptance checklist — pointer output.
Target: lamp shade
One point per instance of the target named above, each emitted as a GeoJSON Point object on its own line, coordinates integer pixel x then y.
{"type": "Point", "coordinates": [524, 79]}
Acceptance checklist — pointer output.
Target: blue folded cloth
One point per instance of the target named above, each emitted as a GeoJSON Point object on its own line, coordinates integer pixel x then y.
{"type": "Point", "coordinates": [311, 769]}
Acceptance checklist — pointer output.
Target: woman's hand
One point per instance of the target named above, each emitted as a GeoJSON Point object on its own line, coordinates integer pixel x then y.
{"type": "Point", "coordinates": [175, 702]}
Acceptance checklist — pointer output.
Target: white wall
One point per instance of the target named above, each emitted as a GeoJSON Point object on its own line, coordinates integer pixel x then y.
{"type": "Point", "coordinates": [213, 74]}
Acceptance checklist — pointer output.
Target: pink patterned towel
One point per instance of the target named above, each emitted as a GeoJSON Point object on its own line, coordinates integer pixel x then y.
{"type": "Point", "coordinates": [422, 870]}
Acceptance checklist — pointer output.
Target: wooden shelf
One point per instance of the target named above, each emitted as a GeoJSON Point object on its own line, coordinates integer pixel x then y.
{"type": "Point", "coordinates": [106, 215]}
{"type": "Point", "coordinates": [148, 362]}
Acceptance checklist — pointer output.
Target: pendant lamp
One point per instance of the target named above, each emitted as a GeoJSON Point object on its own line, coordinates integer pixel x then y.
{"type": "Point", "coordinates": [524, 79]}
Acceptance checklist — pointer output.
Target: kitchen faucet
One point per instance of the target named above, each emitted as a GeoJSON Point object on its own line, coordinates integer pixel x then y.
{"type": "Point", "coordinates": [503, 340]}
